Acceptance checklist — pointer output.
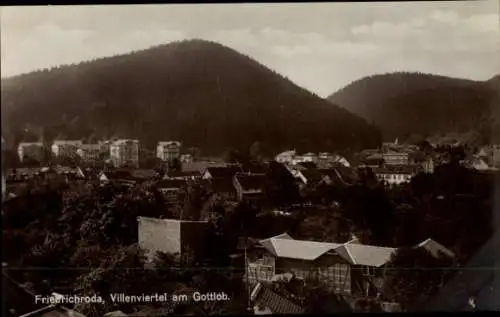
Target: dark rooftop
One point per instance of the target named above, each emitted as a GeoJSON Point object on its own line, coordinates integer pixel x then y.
{"type": "Point", "coordinates": [177, 174]}
{"type": "Point", "coordinates": [255, 169]}
{"type": "Point", "coordinates": [119, 174]}
{"type": "Point", "coordinates": [224, 171]}
{"type": "Point", "coordinates": [264, 297]}
{"type": "Point", "coordinates": [170, 183]}
{"type": "Point", "coordinates": [251, 181]}
{"type": "Point", "coordinates": [312, 175]}
{"type": "Point", "coordinates": [143, 174]}
{"type": "Point", "coordinates": [223, 185]}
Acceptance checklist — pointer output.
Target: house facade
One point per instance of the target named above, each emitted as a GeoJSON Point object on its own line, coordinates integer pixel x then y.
{"type": "Point", "coordinates": [428, 165]}
{"type": "Point", "coordinates": [249, 186]}
{"type": "Point", "coordinates": [65, 148]}
{"type": "Point", "coordinates": [170, 188]}
{"type": "Point", "coordinates": [125, 152]}
{"type": "Point", "coordinates": [168, 150]}
{"type": "Point", "coordinates": [395, 175]}
{"type": "Point", "coordinates": [30, 150]}
{"type": "Point", "coordinates": [170, 236]}
{"type": "Point", "coordinates": [89, 152]}
{"type": "Point", "coordinates": [396, 158]}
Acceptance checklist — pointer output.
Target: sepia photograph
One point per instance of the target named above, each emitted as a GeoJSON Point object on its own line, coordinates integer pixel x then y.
{"type": "Point", "coordinates": [250, 158]}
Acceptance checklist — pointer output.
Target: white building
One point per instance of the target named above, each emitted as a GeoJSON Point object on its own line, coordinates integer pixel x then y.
{"type": "Point", "coordinates": [30, 150]}
{"type": "Point", "coordinates": [65, 148]}
{"type": "Point", "coordinates": [168, 150]}
{"type": "Point", "coordinates": [395, 175]}
{"type": "Point", "coordinates": [89, 152]}
{"type": "Point", "coordinates": [186, 158]}
{"type": "Point", "coordinates": [286, 157]}
{"type": "Point", "coordinates": [124, 152]}
{"type": "Point", "coordinates": [105, 145]}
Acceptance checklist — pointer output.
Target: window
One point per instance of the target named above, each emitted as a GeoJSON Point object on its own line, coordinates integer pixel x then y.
{"type": "Point", "coordinates": [260, 272]}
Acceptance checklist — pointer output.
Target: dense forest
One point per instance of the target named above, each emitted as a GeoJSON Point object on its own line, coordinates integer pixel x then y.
{"type": "Point", "coordinates": [404, 104]}
{"type": "Point", "coordinates": [200, 92]}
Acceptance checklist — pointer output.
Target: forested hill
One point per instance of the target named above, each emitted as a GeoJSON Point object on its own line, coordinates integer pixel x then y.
{"type": "Point", "coordinates": [405, 104]}
{"type": "Point", "coordinates": [200, 92]}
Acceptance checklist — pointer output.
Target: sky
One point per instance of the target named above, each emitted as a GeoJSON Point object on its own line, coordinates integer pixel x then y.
{"type": "Point", "coordinates": [319, 46]}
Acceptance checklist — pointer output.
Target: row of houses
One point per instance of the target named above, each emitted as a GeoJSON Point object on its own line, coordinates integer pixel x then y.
{"type": "Point", "coordinates": [291, 157]}
{"type": "Point", "coordinates": [123, 152]}
{"type": "Point", "coordinates": [350, 270]}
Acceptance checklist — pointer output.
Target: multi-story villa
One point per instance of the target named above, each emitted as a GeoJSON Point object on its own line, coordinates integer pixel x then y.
{"type": "Point", "coordinates": [396, 175]}
{"type": "Point", "coordinates": [30, 150]}
{"type": "Point", "coordinates": [168, 150]}
{"type": "Point", "coordinates": [396, 157]}
{"type": "Point", "coordinates": [124, 152]}
{"type": "Point", "coordinates": [89, 152]}
{"type": "Point", "coordinates": [66, 148]}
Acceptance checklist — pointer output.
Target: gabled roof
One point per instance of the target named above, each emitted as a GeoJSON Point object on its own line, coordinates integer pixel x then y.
{"type": "Point", "coordinates": [251, 182]}
{"type": "Point", "coordinates": [143, 173]}
{"type": "Point", "coordinates": [224, 171]}
{"type": "Point", "coordinates": [254, 169]}
{"type": "Point", "coordinates": [178, 174]}
{"type": "Point", "coordinates": [287, 153]}
{"type": "Point", "coordinates": [223, 185]}
{"type": "Point", "coordinates": [30, 144]}
{"type": "Point", "coordinates": [116, 313]}
{"type": "Point", "coordinates": [69, 142]}
{"type": "Point", "coordinates": [435, 248]}
{"type": "Point", "coordinates": [367, 255]}
{"type": "Point", "coordinates": [90, 146]}
{"type": "Point", "coordinates": [118, 174]}
{"type": "Point", "coordinates": [198, 166]}
{"type": "Point", "coordinates": [284, 246]}
{"type": "Point", "coordinates": [265, 297]}
{"type": "Point", "coordinates": [347, 174]}
{"type": "Point", "coordinates": [375, 156]}
{"type": "Point", "coordinates": [170, 183]}
{"type": "Point", "coordinates": [307, 164]}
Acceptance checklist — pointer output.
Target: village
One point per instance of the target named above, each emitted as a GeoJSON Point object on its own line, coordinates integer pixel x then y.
{"type": "Point", "coordinates": [351, 271]}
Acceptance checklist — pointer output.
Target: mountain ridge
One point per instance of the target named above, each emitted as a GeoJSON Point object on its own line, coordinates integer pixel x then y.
{"type": "Point", "coordinates": [404, 104]}
{"type": "Point", "coordinates": [203, 93]}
